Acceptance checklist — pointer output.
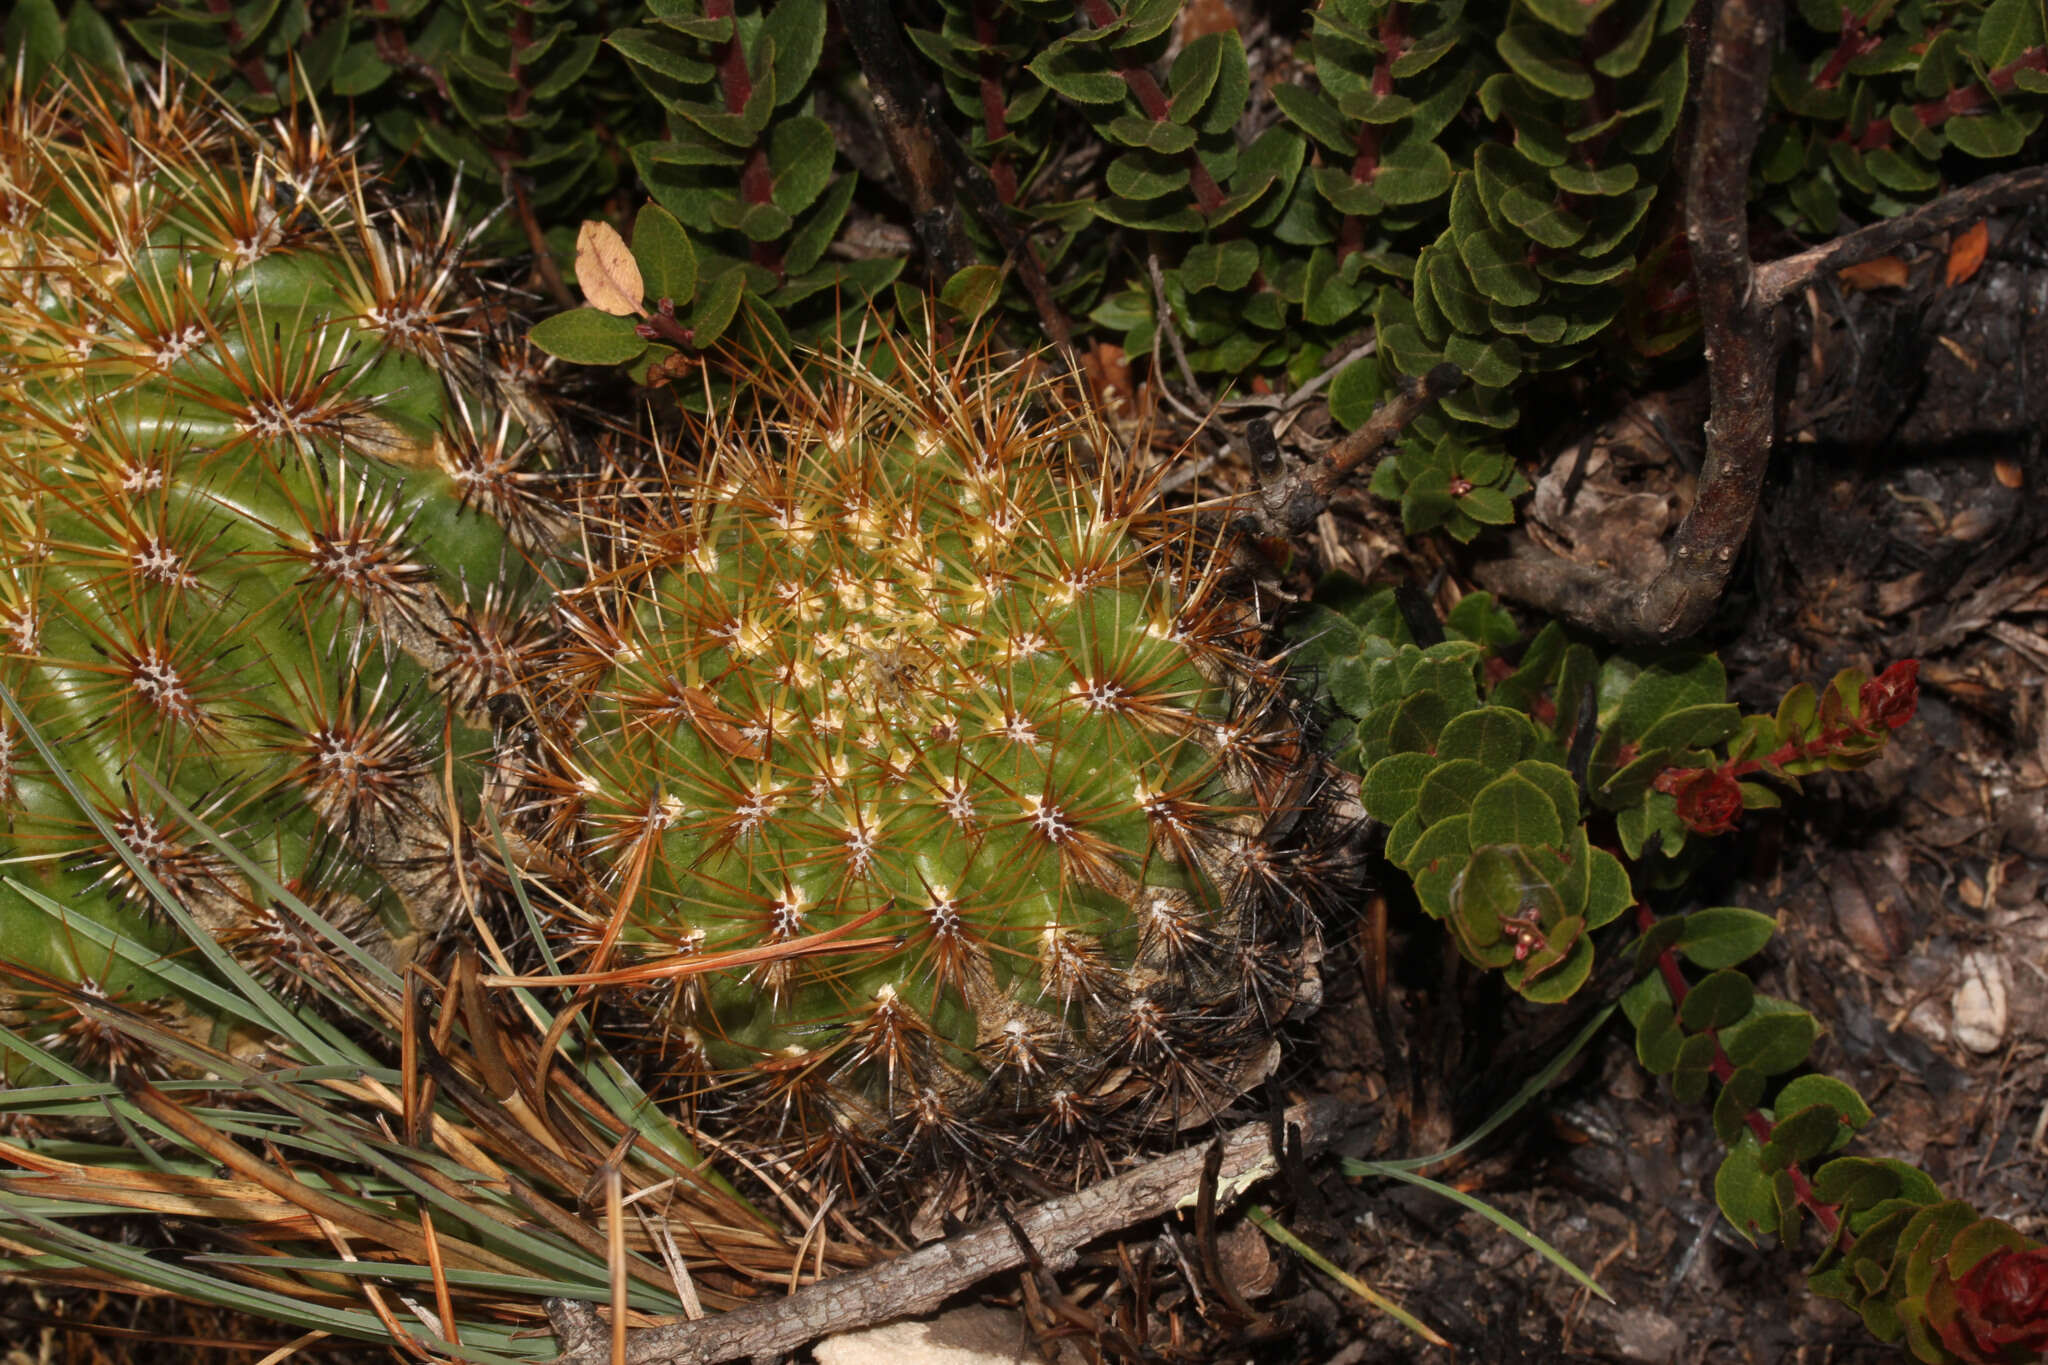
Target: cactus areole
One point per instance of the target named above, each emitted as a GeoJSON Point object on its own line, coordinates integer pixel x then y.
{"type": "Point", "coordinates": [261, 525]}
{"type": "Point", "coordinates": [916, 701]}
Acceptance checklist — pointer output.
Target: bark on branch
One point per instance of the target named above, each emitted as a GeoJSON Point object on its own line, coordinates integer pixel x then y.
{"type": "Point", "coordinates": [922, 1280]}
{"type": "Point", "coordinates": [1287, 502]}
{"type": "Point", "coordinates": [1778, 279]}
{"type": "Point", "coordinates": [1741, 334]}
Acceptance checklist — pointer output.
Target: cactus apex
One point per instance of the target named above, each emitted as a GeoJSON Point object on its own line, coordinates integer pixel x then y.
{"type": "Point", "coordinates": [927, 784]}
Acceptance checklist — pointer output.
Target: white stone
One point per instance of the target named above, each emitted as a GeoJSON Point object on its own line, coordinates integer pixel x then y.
{"type": "Point", "coordinates": [965, 1336]}
{"type": "Point", "coordinates": [1979, 1006]}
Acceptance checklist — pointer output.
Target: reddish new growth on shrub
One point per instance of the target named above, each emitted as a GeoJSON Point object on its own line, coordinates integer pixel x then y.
{"type": "Point", "coordinates": [1892, 696]}
{"type": "Point", "coordinates": [1999, 1311]}
{"type": "Point", "coordinates": [1710, 800]}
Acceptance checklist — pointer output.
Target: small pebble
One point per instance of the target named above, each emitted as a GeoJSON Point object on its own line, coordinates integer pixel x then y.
{"type": "Point", "coordinates": [1979, 1004]}
{"type": "Point", "coordinates": [965, 1336]}
{"type": "Point", "coordinates": [1641, 1334]}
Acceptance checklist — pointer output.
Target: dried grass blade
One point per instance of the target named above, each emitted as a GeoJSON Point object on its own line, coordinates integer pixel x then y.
{"type": "Point", "coordinates": [443, 1301]}
{"type": "Point", "coordinates": [382, 1231]}
{"type": "Point", "coordinates": [615, 1257]}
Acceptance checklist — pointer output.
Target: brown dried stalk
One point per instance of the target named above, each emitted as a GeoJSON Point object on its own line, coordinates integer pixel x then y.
{"type": "Point", "coordinates": [922, 1280]}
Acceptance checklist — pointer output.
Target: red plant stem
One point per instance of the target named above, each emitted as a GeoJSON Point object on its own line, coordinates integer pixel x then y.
{"type": "Point", "coordinates": [1365, 163]}
{"type": "Point", "coordinates": [1792, 751]}
{"type": "Point", "coordinates": [1856, 41]}
{"type": "Point", "coordinates": [1600, 39]}
{"type": "Point", "coordinates": [757, 184]}
{"type": "Point", "coordinates": [1606, 34]}
{"type": "Point", "coordinates": [994, 110]}
{"type": "Point", "coordinates": [1208, 195]}
{"type": "Point", "coordinates": [508, 153]}
{"type": "Point", "coordinates": [661, 325]}
{"type": "Point", "coordinates": [1827, 1215]}
{"type": "Point", "coordinates": [249, 64]}
{"type": "Point", "coordinates": [519, 40]}
{"type": "Point", "coordinates": [392, 47]}
{"type": "Point", "coordinates": [1964, 99]}
{"type": "Point", "coordinates": [733, 76]}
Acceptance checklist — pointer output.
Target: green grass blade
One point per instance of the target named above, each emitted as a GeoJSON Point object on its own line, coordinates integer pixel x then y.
{"type": "Point", "coordinates": [607, 1079]}
{"type": "Point", "coordinates": [1529, 1091]}
{"type": "Point", "coordinates": [1352, 1166]}
{"type": "Point", "coordinates": [50, 1062]}
{"type": "Point", "coordinates": [281, 1019]}
{"type": "Point", "coordinates": [274, 890]}
{"type": "Point", "coordinates": [462, 1279]}
{"type": "Point", "coordinates": [519, 1244]}
{"type": "Point", "coordinates": [167, 969]}
{"type": "Point", "coordinates": [1265, 1222]}
{"type": "Point", "coordinates": [69, 1246]}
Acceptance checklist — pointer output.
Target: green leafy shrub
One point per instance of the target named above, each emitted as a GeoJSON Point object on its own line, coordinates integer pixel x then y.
{"type": "Point", "coordinates": [1867, 124]}
{"type": "Point", "coordinates": [1487, 760]}
{"type": "Point", "coordinates": [1483, 182]}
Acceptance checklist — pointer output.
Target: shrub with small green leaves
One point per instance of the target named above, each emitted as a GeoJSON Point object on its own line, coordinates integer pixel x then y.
{"type": "Point", "coordinates": [1485, 758]}
{"type": "Point", "coordinates": [1524, 217]}
{"type": "Point", "coordinates": [515, 97]}
{"type": "Point", "coordinates": [1872, 97]}
{"type": "Point", "coordinates": [1487, 183]}
{"type": "Point", "coordinates": [747, 167]}
{"type": "Point", "coordinates": [1485, 773]}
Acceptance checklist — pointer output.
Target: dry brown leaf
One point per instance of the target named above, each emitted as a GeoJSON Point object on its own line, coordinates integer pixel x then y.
{"type": "Point", "coordinates": [606, 270]}
{"type": "Point", "coordinates": [1886, 272]}
{"type": "Point", "coordinates": [1204, 17]}
{"type": "Point", "coordinates": [1109, 374]}
{"type": "Point", "coordinates": [1966, 253]}
{"type": "Point", "coordinates": [158, 1192]}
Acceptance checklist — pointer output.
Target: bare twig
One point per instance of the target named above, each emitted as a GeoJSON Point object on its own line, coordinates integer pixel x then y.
{"type": "Point", "coordinates": [1187, 474]}
{"type": "Point", "coordinates": [1777, 279]}
{"type": "Point", "coordinates": [1741, 335]}
{"type": "Point", "coordinates": [579, 1331]}
{"type": "Point", "coordinates": [1287, 502]}
{"type": "Point", "coordinates": [1296, 399]}
{"type": "Point", "coordinates": [1164, 313]}
{"type": "Point", "coordinates": [920, 1281]}
{"type": "Point", "coordinates": [919, 160]}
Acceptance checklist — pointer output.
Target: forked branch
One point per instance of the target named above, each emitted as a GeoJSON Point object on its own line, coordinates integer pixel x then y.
{"type": "Point", "coordinates": [1739, 316]}
{"type": "Point", "coordinates": [1741, 334]}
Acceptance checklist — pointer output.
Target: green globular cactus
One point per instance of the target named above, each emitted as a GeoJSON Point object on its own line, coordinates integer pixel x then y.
{"type": "Point", "coordinates": [265, 518]}
{"type": "Point", "coordinates": [932, 788]}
